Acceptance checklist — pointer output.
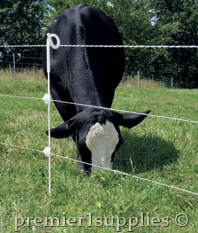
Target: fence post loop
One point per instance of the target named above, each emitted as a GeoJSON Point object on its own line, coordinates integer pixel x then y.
{"type": "Point", "coordinates": [49, 37]}
{"type": "Point", "coordinates": [50, 43]}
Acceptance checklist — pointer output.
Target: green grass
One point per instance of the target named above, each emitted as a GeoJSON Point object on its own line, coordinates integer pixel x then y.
{"type": "Point", "coordinates": [161, 150]}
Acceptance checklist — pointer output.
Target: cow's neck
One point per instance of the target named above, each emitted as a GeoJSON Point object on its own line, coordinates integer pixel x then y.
{"type": "Point", "coordinates": [88, 99]}
{"type": "Point", "coordinates": [88, 91]}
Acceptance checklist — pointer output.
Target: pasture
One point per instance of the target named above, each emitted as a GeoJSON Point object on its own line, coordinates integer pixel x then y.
{"type": "Point", "coordinates": [157, 149]}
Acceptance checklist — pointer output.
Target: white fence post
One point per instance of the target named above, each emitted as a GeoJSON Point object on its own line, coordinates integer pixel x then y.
{"type": "Point", "coordinates": [14, 70]}
{"type": "Point", "coordinates": [138, 73]}
{"type": "Point", "coordinates": [48, 88]}
{"type": "Point", "coordinates": [153, 80]}
{"type": "Point", "coordinates": [46, 98]}
{"type": "Point", "coordinates": [172, 82]}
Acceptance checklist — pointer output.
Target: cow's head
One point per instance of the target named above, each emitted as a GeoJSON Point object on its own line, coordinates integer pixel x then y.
{"type": "Point", "coordinates": [97, 134]}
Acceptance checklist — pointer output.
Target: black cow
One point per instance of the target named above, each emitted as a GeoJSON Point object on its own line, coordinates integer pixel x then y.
{"type": "Point", "coordinates": [88, 76]}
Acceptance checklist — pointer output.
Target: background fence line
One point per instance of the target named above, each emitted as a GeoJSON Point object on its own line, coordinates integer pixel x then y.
{"type": "Point", "coordinates": [136, 79]}
{"type": "Point", "coordinates": [128, 75]}
{"type": "Point", "coordinates": [17, 59]}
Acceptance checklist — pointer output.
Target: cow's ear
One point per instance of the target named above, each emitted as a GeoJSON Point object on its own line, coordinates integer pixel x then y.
{"type": "Point", "coordinates": [130, 120]}
{"type": "Point", "coordinates": [64, 130]}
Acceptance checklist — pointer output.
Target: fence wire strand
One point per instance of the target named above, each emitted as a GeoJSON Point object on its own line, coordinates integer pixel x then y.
{"type": "Point", "coordinates": [110, 109]}
{"type": "Point", "coordinates": [21, 97]}
{"type": "Point", "coordinates": [107, 169]}
{"type": "Point", "coordinates": [106, 46]}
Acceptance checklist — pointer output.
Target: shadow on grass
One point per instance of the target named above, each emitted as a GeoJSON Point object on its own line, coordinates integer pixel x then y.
{"type": "Point", "coordinates": [142, 154]}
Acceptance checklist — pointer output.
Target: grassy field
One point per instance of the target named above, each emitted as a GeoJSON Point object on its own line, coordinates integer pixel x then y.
{"type": "Point", "coordinates": [157, 149]}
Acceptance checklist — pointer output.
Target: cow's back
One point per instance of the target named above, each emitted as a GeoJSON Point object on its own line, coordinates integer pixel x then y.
{"type": "Point", "coordinates": [77, 69]}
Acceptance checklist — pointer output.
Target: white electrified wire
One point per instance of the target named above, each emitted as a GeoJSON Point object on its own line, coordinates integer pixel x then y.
{"type": "Point", "coordinates": [22, 97]}
{"type": "Point", "coordinates": [106, 46]}
{"type": "Point", "coordinates": [130, 46]}
{"type": "Point", "coordinates": [20, 147]}
{"type": "Point", "coordinates": [110, 109]}
{"type": "Point", "coordinates": [107, 169]}
{"type": "Point", "coordinates": [119, 110]}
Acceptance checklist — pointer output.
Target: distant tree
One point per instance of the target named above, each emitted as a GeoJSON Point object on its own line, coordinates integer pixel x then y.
{"type": "Point", "coordinates": [133, 20]}
{"type": "Point", "coordinates": [22, 23]}
{"type": "Point", "coordinates": [177, 24]}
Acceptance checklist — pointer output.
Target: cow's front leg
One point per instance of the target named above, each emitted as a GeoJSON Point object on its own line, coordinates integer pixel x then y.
{"type": "Point", "coordinates": [80, 165]}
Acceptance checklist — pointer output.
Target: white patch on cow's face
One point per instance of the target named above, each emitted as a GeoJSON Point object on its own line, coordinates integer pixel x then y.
{"type": "Point", "coordinates": [101, 141]}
